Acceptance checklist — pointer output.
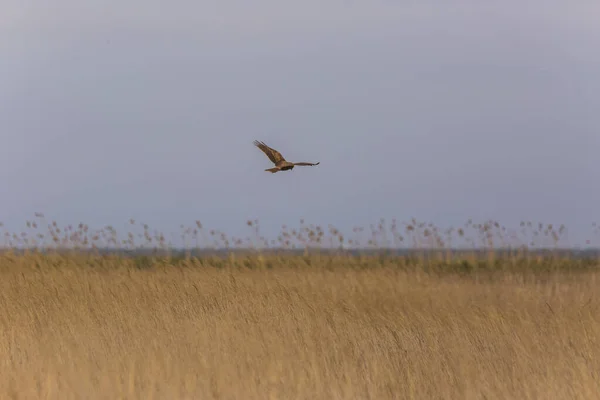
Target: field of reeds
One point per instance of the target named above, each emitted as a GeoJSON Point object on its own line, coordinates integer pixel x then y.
{"type": "Point", "coordinates": [341, 317]}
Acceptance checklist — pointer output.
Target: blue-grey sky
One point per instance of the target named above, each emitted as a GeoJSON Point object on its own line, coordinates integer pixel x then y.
{"type": "Point", "coordinates": [148, 109]}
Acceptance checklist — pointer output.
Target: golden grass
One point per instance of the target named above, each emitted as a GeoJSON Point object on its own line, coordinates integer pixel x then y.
{"type": "Point", "coordinates": [317, 327]}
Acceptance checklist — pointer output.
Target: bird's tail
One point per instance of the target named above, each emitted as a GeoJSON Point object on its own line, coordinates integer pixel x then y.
{"type": "Point", "coordinates": [272, 170]}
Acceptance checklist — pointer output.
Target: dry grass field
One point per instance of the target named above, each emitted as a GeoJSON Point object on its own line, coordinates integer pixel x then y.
{"type": "Point", "coordinates": [258, 326]}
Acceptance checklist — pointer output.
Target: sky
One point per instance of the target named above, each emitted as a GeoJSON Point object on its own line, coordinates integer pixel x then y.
{"type": "Point", "coordinates": [145, 110]}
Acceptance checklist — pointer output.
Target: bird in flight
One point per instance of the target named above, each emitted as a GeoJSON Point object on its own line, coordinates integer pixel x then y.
{"type": "Point", "coordinates": [280, 163]}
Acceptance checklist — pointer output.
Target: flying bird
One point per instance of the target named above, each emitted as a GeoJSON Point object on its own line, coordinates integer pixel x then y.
{"type": "Point", "coordinates": [280, 163]}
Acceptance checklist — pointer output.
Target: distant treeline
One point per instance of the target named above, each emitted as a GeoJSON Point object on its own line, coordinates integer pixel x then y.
{"type": "Point", "coordinates": [180, 252]}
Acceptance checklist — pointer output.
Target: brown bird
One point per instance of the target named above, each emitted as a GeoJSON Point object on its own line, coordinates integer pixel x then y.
{"type": "Point", "coordinates": [280, 163]}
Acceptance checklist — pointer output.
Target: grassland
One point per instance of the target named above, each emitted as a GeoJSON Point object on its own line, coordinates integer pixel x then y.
{"type": "Point", "coordinates": [314, 326]}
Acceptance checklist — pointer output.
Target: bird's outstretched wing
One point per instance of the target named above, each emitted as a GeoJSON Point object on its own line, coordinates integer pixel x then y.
{"type": "Point", "coordinates": [273, 154]}
{"type": "Point", "coordinates": [307, 163]}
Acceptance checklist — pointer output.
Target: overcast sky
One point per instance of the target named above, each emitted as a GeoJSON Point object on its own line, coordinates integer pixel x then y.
{"type": "Point", "coordinates": [148, 109]}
